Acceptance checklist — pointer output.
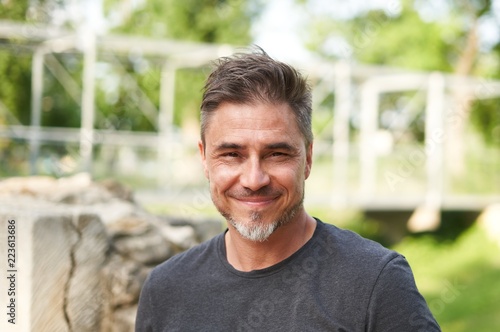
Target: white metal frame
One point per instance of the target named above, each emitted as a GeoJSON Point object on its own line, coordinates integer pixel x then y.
{"type": "Point", "coordinates": [350, 82]}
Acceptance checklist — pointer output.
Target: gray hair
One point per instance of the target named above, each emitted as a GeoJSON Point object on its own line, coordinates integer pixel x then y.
{"type": "Point", "coordinates": [248, 78]}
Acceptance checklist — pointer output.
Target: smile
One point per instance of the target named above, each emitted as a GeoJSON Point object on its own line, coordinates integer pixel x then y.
{"type": "Point", "coordinates": [257, 201]}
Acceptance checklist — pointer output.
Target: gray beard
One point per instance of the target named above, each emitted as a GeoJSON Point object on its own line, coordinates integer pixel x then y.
{"type": "Point", "coordinates": [257, 229]}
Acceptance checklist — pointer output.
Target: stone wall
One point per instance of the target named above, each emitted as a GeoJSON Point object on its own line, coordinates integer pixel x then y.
{"type": "Point", "coordinates": [83, 251]}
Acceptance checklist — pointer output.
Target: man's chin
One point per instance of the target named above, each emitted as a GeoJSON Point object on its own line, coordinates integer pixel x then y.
{"type": "Point", "coordinates": [254, 231]}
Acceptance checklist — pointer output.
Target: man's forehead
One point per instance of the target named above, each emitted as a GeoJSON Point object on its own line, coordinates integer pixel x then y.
{"type": "Point", "coordinates": [253, 116]}
{"type": "Point", "coordinates": [242, 123]}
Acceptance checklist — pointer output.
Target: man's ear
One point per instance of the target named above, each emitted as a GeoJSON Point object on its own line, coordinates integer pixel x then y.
{"type": "Point", "coordinates": [201, 147]}
{"type": "Point", "coordinates": [309, 153]}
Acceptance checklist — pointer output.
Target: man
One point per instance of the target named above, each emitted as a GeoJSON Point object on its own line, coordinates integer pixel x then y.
{"type": "Point", "coordinates": [275, 268]}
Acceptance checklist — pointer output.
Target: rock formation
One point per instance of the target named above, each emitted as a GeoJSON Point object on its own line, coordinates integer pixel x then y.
{"type": "Point", "coordinates": [84, 249]}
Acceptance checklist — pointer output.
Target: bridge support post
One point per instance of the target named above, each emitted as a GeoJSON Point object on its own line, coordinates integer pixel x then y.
{"type": "Point", "coordinates": [427, 217]}
{"type": "Point", "coordinates": [340, 149]}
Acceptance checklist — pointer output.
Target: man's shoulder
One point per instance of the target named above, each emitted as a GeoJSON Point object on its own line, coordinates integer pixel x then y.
{"type": "Point", "coordinates": [350, 246]}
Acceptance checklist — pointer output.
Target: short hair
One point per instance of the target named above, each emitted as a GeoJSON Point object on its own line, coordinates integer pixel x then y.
{"type": "Point", "coordinates": [249, 78]}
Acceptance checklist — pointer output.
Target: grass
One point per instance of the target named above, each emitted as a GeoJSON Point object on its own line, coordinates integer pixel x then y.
{"type": "Point", "coordinates": [460, 279]}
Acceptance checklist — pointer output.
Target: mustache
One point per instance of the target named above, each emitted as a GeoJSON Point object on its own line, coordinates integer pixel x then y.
{"type": "Point", "coordinates": [261, 192]}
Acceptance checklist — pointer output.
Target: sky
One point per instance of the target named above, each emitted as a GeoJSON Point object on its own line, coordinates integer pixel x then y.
{"type": "Point", "coordinates": [278, 31]}
{"type": "Point", "coordinates": [280, 28]}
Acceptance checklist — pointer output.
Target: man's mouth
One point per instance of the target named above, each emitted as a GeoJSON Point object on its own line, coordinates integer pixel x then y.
{"type": "Point", "coordinates": [257, 201]}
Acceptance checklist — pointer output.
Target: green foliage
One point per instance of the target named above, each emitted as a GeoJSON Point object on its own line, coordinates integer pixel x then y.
{"type": "Point", "coordinates": [404, 41]}
{"type": "Point", "coordinates": [58, 108]}
{"type": "Point", "coordinates": [391, 37]}
{"type": "Point", "coordinates": [402, 35]}
{"type": "Point", "coordinates": [14, 9]}
{"type": "Point", "coordinates": [15, 71]}
{"type": "Point", "coordinates": [15, 68]}
{"type": "Point", "coordinates": [485, 115]}
{"type": "Point", "coordinates": [189, 87]}
{"type": "Point", "coordinates": [15, 85]}
{"type": "Point", "coordinates": [122, 89]}
{"type": "Point", "coordinates": [460, 279]}
{"type": "Point", "coordinates": [214, 21]}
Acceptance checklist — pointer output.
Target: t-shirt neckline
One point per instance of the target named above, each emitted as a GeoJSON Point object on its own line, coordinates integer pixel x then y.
{"type": "Point", "coordinates": [221, 251]}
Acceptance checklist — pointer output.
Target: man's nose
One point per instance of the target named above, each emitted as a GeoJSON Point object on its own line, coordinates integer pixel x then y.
{"type": "Point", "coordinates": [254, 176]}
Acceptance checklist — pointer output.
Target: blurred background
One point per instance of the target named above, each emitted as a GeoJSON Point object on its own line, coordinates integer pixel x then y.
{"type": "Point", "coordinates": [406, 116]}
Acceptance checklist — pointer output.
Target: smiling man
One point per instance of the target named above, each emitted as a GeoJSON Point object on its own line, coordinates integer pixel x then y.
{"type": "Point", "coordinates": [275, 268]}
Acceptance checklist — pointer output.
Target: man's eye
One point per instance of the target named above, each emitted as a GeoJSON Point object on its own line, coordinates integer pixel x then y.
{"type": "Point", "coordinates": [230, 155]}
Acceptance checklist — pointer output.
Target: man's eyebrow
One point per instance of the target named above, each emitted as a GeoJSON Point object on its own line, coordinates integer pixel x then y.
{"type": "Point", "coordinates": [271, 146]}
{"type": "Point", "coordinates": [281, 146]}
{"type": "Point", "coordinates": [228, 146]}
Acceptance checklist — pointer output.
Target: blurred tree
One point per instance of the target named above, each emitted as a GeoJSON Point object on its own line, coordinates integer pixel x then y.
{"type": "Point", "coordinates": [15, 85]}
{"type": "Point", "coordinates": [14, 10]}
{"type": "Point", "coordinates": [408, 33]}
{"type": "Point", "coordinates": [126, 85]}
{"type": "Point", "coordinates": [469, 13]}
{"type": "Point", "coordinates": [14, 68]}
{"type": "Point", "coordinates": [210, 21]}
{"type": "Point", "coordinates": [396, 36]}
{"type": "Point", "coordinates": [214, 21]}
{"type": "Point", "coordinates": [421, 35]}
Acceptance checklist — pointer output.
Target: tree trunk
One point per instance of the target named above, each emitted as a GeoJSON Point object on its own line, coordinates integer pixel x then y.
{"type": "Point", "coordinates": [459, 114]}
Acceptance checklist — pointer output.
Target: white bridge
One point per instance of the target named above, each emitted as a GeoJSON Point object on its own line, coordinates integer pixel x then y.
{"type": "Point", "coordinates": [386, 139]}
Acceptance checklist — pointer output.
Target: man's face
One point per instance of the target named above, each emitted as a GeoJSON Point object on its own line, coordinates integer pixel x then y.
{"type": "Point", "coordinates": [256, 162]}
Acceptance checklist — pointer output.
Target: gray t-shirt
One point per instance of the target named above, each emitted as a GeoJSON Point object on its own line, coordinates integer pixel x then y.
{"type": "Point", "coordinates": [337, 281]}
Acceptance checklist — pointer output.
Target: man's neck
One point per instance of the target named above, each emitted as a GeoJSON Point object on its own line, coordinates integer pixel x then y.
{"type": "Point", "coordinates": [246, 255]}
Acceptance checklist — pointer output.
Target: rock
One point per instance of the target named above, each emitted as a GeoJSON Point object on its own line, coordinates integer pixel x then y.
{"type": "Point", "coordinates": [32, 186]}
{"type": "Point", "coordinates": [86, 299]}
{"type": "Point", "coordinates": [183, 237]}
{"type": "Point", "coordinates": [205, 229]}
{"type": "Point", "coordinates": [52, 239]}
{"type": "Point", "coordinates": [124, 279]}
{"type": "Point", "coordinates": [128, 226]}
{"type": "Point", "coordinates": [117, 190]}
{"type": "Point", "coordinates": [124, 319]}
{"type": "Point", "coordinates": [114, 210]}
{"type": "Point", "coordinates": [149, 248]}
{"type": "Point", "coordinates": [65, 254]}
{"type": "Point", "coordinates": [84, 196]}
{"type": "Point", "coordinates": [84, 251]}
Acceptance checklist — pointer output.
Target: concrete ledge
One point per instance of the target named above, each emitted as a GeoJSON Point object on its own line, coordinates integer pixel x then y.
{"type": "Point", "coordinates": [59, 256]}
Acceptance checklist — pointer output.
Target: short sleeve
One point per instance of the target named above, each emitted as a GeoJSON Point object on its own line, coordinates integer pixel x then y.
{"type": "Point", "coordinates": [144, 317]}
{"type": "Point", "coordinates": [396, 304]}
